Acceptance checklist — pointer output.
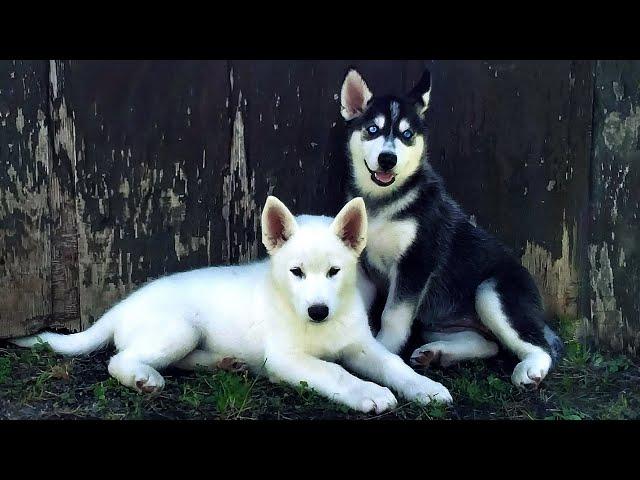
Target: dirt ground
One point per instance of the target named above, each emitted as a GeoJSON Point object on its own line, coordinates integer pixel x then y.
{"type": "Point", "coordinates": [37, 384]}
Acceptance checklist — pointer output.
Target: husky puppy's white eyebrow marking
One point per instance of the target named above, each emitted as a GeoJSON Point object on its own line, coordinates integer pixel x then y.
{"type": "Point", "coordinates": [403, 125]}
{"type": "Point", "coordinates": [379, 121]}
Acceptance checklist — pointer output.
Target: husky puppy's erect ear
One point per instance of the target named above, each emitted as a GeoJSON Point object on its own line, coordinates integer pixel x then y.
{"type": "Point", "coordinates": [350, 225]}
{"type": "Point", "coordinates": [420, 93]}
{"type": "Point", "coordinates": [354, 95]}
{"type": "Point", "coordinates": [278, 224]}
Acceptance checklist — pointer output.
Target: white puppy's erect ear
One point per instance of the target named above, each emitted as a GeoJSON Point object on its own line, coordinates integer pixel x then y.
{"type": "Point", "coordinates": [350, 225]}
{"type": "Point", "coordinates": [278, 224]}
{"type": "Point", "coordinates": [354, 95]}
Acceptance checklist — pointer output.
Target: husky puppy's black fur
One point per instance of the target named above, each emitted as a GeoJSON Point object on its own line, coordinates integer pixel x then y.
{"type": "Point", "coordinates": [457, 285]}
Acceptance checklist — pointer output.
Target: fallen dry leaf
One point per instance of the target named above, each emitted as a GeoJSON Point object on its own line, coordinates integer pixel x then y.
{"type": "Point", "coordinates": [60, 371]}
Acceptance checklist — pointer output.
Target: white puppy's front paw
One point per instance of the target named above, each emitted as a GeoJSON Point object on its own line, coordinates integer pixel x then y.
{"type": "Point", "coordinates": [367, 397]}
{"type": "Point", "coordinates": [424, 391]}
{"type": "Point", "coordinates": [532, 370]}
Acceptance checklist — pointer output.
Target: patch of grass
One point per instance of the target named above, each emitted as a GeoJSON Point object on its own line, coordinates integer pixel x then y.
{"type": "Point", "coordinates": [611, 365]}
{"type": "Point", "coordinates": [5, 370]}
{"type": "Point", "coordinates": [99, 392]}
{"type": "Point", "coordinates": [35, 383]}
{"type": "Point", "coordinates": [478, 386]}
{"type": "Point", "coordinates": [434, 411]}
{"type": "Point", "coordinates": [233, 393]}
{"type": "Point", "coordinates": [228, 392]}
{"type": "Point", "coordinates": [566, 413]}
{"type": "Point", "coordinates": [620, 409]}
{"type": "Point", "coordinates": [567, 328]}
{"type": "Point", "coordinates": [190, 396]}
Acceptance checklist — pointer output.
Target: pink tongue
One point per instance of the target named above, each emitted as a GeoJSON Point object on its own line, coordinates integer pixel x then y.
{"type": "Point", "coordinates": [384, 177]}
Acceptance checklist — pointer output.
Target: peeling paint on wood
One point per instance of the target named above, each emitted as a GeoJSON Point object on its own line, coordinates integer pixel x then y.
{"type": "Point", "coordinates": [239, 210]}
{"type": "Point", "coordinates": [151, 138]}
{"type": "Point", "coordinates": [606, 317]}
{"type": "Point", "coordinates": [25, 155]}
{"type": "Point", "coordinates": [614, 244]}
{"type": "Point", "coordinates": [558, 279]}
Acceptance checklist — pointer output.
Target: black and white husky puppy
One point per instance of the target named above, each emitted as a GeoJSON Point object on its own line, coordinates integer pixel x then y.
{"type": "Point", "coordinates": [446, 281]}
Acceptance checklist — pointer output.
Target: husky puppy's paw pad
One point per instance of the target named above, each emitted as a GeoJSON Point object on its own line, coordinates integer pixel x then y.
{"type": "Point", "coordinates": [530, 372]}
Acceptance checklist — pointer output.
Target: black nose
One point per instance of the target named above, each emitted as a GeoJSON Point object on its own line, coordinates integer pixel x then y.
{"type": "Point", "coordinates": [318, 312]}
{"type": "Point", "coordinates": [387, 160]}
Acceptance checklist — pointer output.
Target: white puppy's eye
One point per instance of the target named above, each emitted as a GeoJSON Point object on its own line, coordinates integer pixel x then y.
{"type": "Point", "coordinates": [333, 271]}
{"type": "Point", "coordinates": [372, 129]}
{"type": "Point", "coordinates": [297, 271]}
{"type": "Point", "coordinates": [407, 134]}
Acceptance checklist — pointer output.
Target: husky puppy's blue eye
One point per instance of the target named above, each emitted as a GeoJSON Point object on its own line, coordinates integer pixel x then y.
{"type": "Point", "coordinates": [297, 271]}
{"type": "Point", "coordinates": [407, 134]}
{"type": "Point", "coordinates": [333, 271]}
{"type": "Point", "coordinates": [372, 129]}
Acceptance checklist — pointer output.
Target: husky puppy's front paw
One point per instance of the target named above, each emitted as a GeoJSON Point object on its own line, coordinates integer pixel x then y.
{"type": "Point", "coordinates": [368, 397]}
{"type": "Point", "coordinates": [425, 391]}
{"type": "Point", "coordinates": [531, 371]}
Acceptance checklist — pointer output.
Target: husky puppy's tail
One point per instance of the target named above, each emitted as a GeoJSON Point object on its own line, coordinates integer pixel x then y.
{"type": "Point", "coordinates": [82, 343]}
{"type": "Point", "coordinates": [555, 343]}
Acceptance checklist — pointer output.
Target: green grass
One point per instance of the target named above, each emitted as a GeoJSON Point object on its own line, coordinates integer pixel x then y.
{"type": "Point", "coordinates": [36, 383]}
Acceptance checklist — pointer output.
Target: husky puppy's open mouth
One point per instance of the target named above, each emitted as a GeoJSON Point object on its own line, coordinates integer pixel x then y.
{"type": "Point", "coordinates": [383, 179]}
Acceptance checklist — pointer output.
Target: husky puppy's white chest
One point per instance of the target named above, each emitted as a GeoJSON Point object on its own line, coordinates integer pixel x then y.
{"type": "Point", "coordinates": [388, 241]}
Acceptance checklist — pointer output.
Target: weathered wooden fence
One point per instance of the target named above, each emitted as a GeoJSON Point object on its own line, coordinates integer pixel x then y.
{"type": "Point", "coordinates": [115, 172]}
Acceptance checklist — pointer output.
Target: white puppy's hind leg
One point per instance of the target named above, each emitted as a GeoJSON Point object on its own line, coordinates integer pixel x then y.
{"type": "Point", "coordinates": [132, 373]}
{"type": "Point", "coordinates": [135, 366]}
{"type": "Point", "coordinates": [535, 362]}
{"type": "Point", "coordinates": [211, 361]}
{"type": "Point", "coordinates": [449, 348]}
{"type": "Point", "coordinates": [198, 359]}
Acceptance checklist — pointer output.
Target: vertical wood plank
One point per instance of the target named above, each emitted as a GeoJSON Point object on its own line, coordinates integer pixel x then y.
{"type": "Point", "coordinates": [62, 199]}
{"type": "Point", "coordinates": [151, 140]}
{"type": "Point", "coordinates": [614, 244]}
{"type": "Point", "coordinates": [25, 155]}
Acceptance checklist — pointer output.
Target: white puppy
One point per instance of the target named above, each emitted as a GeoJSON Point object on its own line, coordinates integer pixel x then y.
{"type": "Point", "coordinates": [293, 314]}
